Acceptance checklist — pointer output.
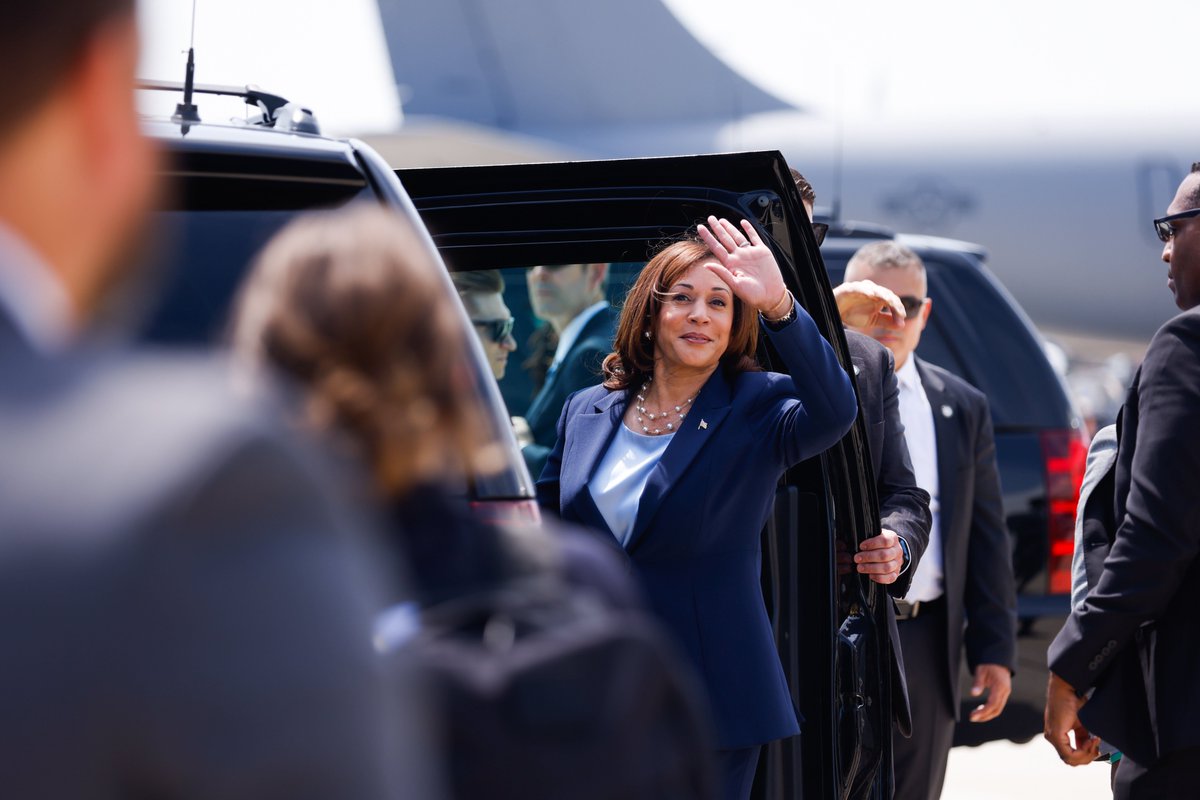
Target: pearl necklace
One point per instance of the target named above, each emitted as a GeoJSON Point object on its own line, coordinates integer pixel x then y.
{"type": "Point", "coordinates": [681, 410]}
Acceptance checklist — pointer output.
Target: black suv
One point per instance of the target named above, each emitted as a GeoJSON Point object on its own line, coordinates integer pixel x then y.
{"type": "Point", "coordinates": [231, 187]}
{"type": "Point", "coordinates": [978, 332]}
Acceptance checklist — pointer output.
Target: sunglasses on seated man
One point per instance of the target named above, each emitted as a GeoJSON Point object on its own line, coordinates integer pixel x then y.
{"type": "Point", "coordinates": [820, 229]}
{"type": "Point", "coordinates": [498, 329]}
{"type": "Point", "coordinates": [1166, 230]}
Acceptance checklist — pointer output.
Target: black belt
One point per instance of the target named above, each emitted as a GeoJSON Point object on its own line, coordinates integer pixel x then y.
{"type": "Point", "coordinates": [906, 610]}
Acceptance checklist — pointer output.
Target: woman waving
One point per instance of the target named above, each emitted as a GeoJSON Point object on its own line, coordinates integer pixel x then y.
{"type": "Point", "coordinates": [677, 454]}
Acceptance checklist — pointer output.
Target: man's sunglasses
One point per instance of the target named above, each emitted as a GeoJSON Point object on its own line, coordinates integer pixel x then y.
{"type": "Point", "coordinates": [498, 329]}
{"type": "Point", "coordinates": [1166, 230]}
{"type": "Point", "coordinates": [819, 230]}
{"type": "Point", "coordinates": [911, 304]}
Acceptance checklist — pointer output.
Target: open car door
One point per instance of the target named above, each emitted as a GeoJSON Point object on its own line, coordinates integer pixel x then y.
{"type": "Point", "coordinates": [831, 631]}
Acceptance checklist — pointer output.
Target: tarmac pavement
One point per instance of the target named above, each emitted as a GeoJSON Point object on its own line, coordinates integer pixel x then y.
{"type": "Point", "coordinates": [1004, 770]}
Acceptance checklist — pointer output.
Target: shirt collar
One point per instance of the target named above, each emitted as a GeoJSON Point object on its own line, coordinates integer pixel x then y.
{"type": "Point", "coordinates": [32, 295]}
{"type": "Point", "coordinates": [566, 340]}
{"type": "Point", "coordinates": [907, 376]}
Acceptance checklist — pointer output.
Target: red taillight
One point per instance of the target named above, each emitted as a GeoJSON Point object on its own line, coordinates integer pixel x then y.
{"type": "Point", "coordinates": [507, 512]}
{"type": "Point", "coordinates": [1065, 454]}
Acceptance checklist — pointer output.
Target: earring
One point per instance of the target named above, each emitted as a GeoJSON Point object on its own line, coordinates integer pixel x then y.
{"type": "Point", "coordinates": [646, 334]}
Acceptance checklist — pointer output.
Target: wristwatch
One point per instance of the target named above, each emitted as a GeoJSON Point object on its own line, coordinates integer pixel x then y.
{"type": "Point", "coordinates": [907, 555]}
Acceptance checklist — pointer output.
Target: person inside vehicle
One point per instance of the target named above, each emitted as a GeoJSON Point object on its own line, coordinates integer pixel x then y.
{"type": "Point", "coordinates": [677, 454]}
{"type": "Point", "coordinates": [571, 299]}
{"type": "Point", "coordinates": [482, 294]}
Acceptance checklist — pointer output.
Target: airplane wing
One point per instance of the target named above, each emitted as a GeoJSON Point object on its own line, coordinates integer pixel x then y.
{"type": "Point", "coordinates": [538, 65]}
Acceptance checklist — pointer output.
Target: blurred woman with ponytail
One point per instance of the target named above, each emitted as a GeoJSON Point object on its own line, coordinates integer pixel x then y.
{"type": "Point", "coordinates": [351, 309]}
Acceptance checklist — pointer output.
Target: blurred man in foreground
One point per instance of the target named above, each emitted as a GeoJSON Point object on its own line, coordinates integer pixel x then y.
{"type": "Point", "coordinates": [1125, 663]}
{"type": "Point", "coordinates": [185, 612]}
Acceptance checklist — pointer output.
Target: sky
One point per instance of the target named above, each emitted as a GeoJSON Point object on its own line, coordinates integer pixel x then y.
{"type": "Point", "coordinates": [329, 55]}
{"type": "Point", "coordinates": [1023, 60]}
{"type": "Point", "coordinates": [931, 58]}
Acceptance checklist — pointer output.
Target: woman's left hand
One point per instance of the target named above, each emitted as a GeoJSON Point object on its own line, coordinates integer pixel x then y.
{"type": "Point", "coordinates": [747, 265]}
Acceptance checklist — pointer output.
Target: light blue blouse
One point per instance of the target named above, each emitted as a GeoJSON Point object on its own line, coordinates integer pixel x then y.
{"type": "Point", "coordinates": [618, 483]}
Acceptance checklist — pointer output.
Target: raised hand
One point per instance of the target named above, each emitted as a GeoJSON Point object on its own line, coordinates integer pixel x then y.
{"type": "Point", "coordinates": [747, 266]}
{"type": "Point", "coordinates": [865, 304]}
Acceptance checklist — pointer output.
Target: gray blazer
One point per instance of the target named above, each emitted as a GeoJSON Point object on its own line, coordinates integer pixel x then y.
{"type": "Point", "coordinates": [185, 606]}
{"type": "Point", "coordinates": [1102, 455]}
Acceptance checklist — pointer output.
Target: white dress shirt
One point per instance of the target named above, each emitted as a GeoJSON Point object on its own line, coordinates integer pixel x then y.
{"type": "Point", "coordinates": [32, 295]}
{"type": "Point", "coordinates": [566, 339]}
{"type": "Point", "coordinates": [917, 416]}
{"type": "Point", "coordinates": [619, 481]}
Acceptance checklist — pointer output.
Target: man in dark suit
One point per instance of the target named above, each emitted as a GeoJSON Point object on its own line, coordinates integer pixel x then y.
{"type": "Point", "coordinates": [890, 557]}
{"type": "Point", "coordinates": [962, 594]}
{"type": "Point", "coordinates": [1126, 661]}
{"type": "Point", "coordinates": [571, 299]}
{"type": "Point", "coordinates": [186, 610]}
{"type": "Point", "coordinates": [903, 506]}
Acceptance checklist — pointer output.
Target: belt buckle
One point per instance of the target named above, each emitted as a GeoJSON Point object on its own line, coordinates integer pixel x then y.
{"type": "Point", "coordinates": [906, 610]}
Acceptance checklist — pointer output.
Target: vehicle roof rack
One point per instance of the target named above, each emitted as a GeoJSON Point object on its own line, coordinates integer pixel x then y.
{"type": "Point", "coordinates": [277, 112]}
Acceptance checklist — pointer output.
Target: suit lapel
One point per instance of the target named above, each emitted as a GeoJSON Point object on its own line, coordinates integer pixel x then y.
{"type": "Point", "coordinates": [945, 431]}
{"type": "Point", "coordinates": [869, 401]}
{"type": "Point", "coordinates": [547, 403]}
{"type": "Point", "coordinates": [700, 426]}
{"type": "Point", "coordinates": [592, 433]}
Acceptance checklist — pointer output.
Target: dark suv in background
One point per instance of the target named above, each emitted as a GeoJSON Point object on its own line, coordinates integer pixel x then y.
{"type": "Point", "coordinates": [231, 187]}
{"type": "Point", "coordinates": [977, 331]}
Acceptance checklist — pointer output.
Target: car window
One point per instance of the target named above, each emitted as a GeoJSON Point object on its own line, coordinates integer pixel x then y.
{"type": "Point", "coordinates": [535, 369]}
{"type": "Point", "coordinates": [206, 237]}
{"type": "Point", "coordinates": [535, 337]}
{"type": "Point", "coordinates": [204, 240]}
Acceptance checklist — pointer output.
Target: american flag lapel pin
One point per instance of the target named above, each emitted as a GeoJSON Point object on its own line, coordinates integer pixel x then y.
{"type": "Point", "coordinates": [703, 425]}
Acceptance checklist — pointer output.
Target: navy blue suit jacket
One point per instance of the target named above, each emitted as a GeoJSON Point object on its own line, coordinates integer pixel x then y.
{"type": "Point", "coordinates": [696, 542]}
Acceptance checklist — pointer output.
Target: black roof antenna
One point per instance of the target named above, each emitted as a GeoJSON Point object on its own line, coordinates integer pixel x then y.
{"type": "Point", "coordinates": [186, 113]}
{"type": "Point", "coordinates": [839, 146]}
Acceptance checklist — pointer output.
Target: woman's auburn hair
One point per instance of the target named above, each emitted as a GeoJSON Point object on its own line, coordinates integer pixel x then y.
{"type": "Point", "coordinates": [632, 361]}
{"type": "Point", "coordinates": [349, 305]}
